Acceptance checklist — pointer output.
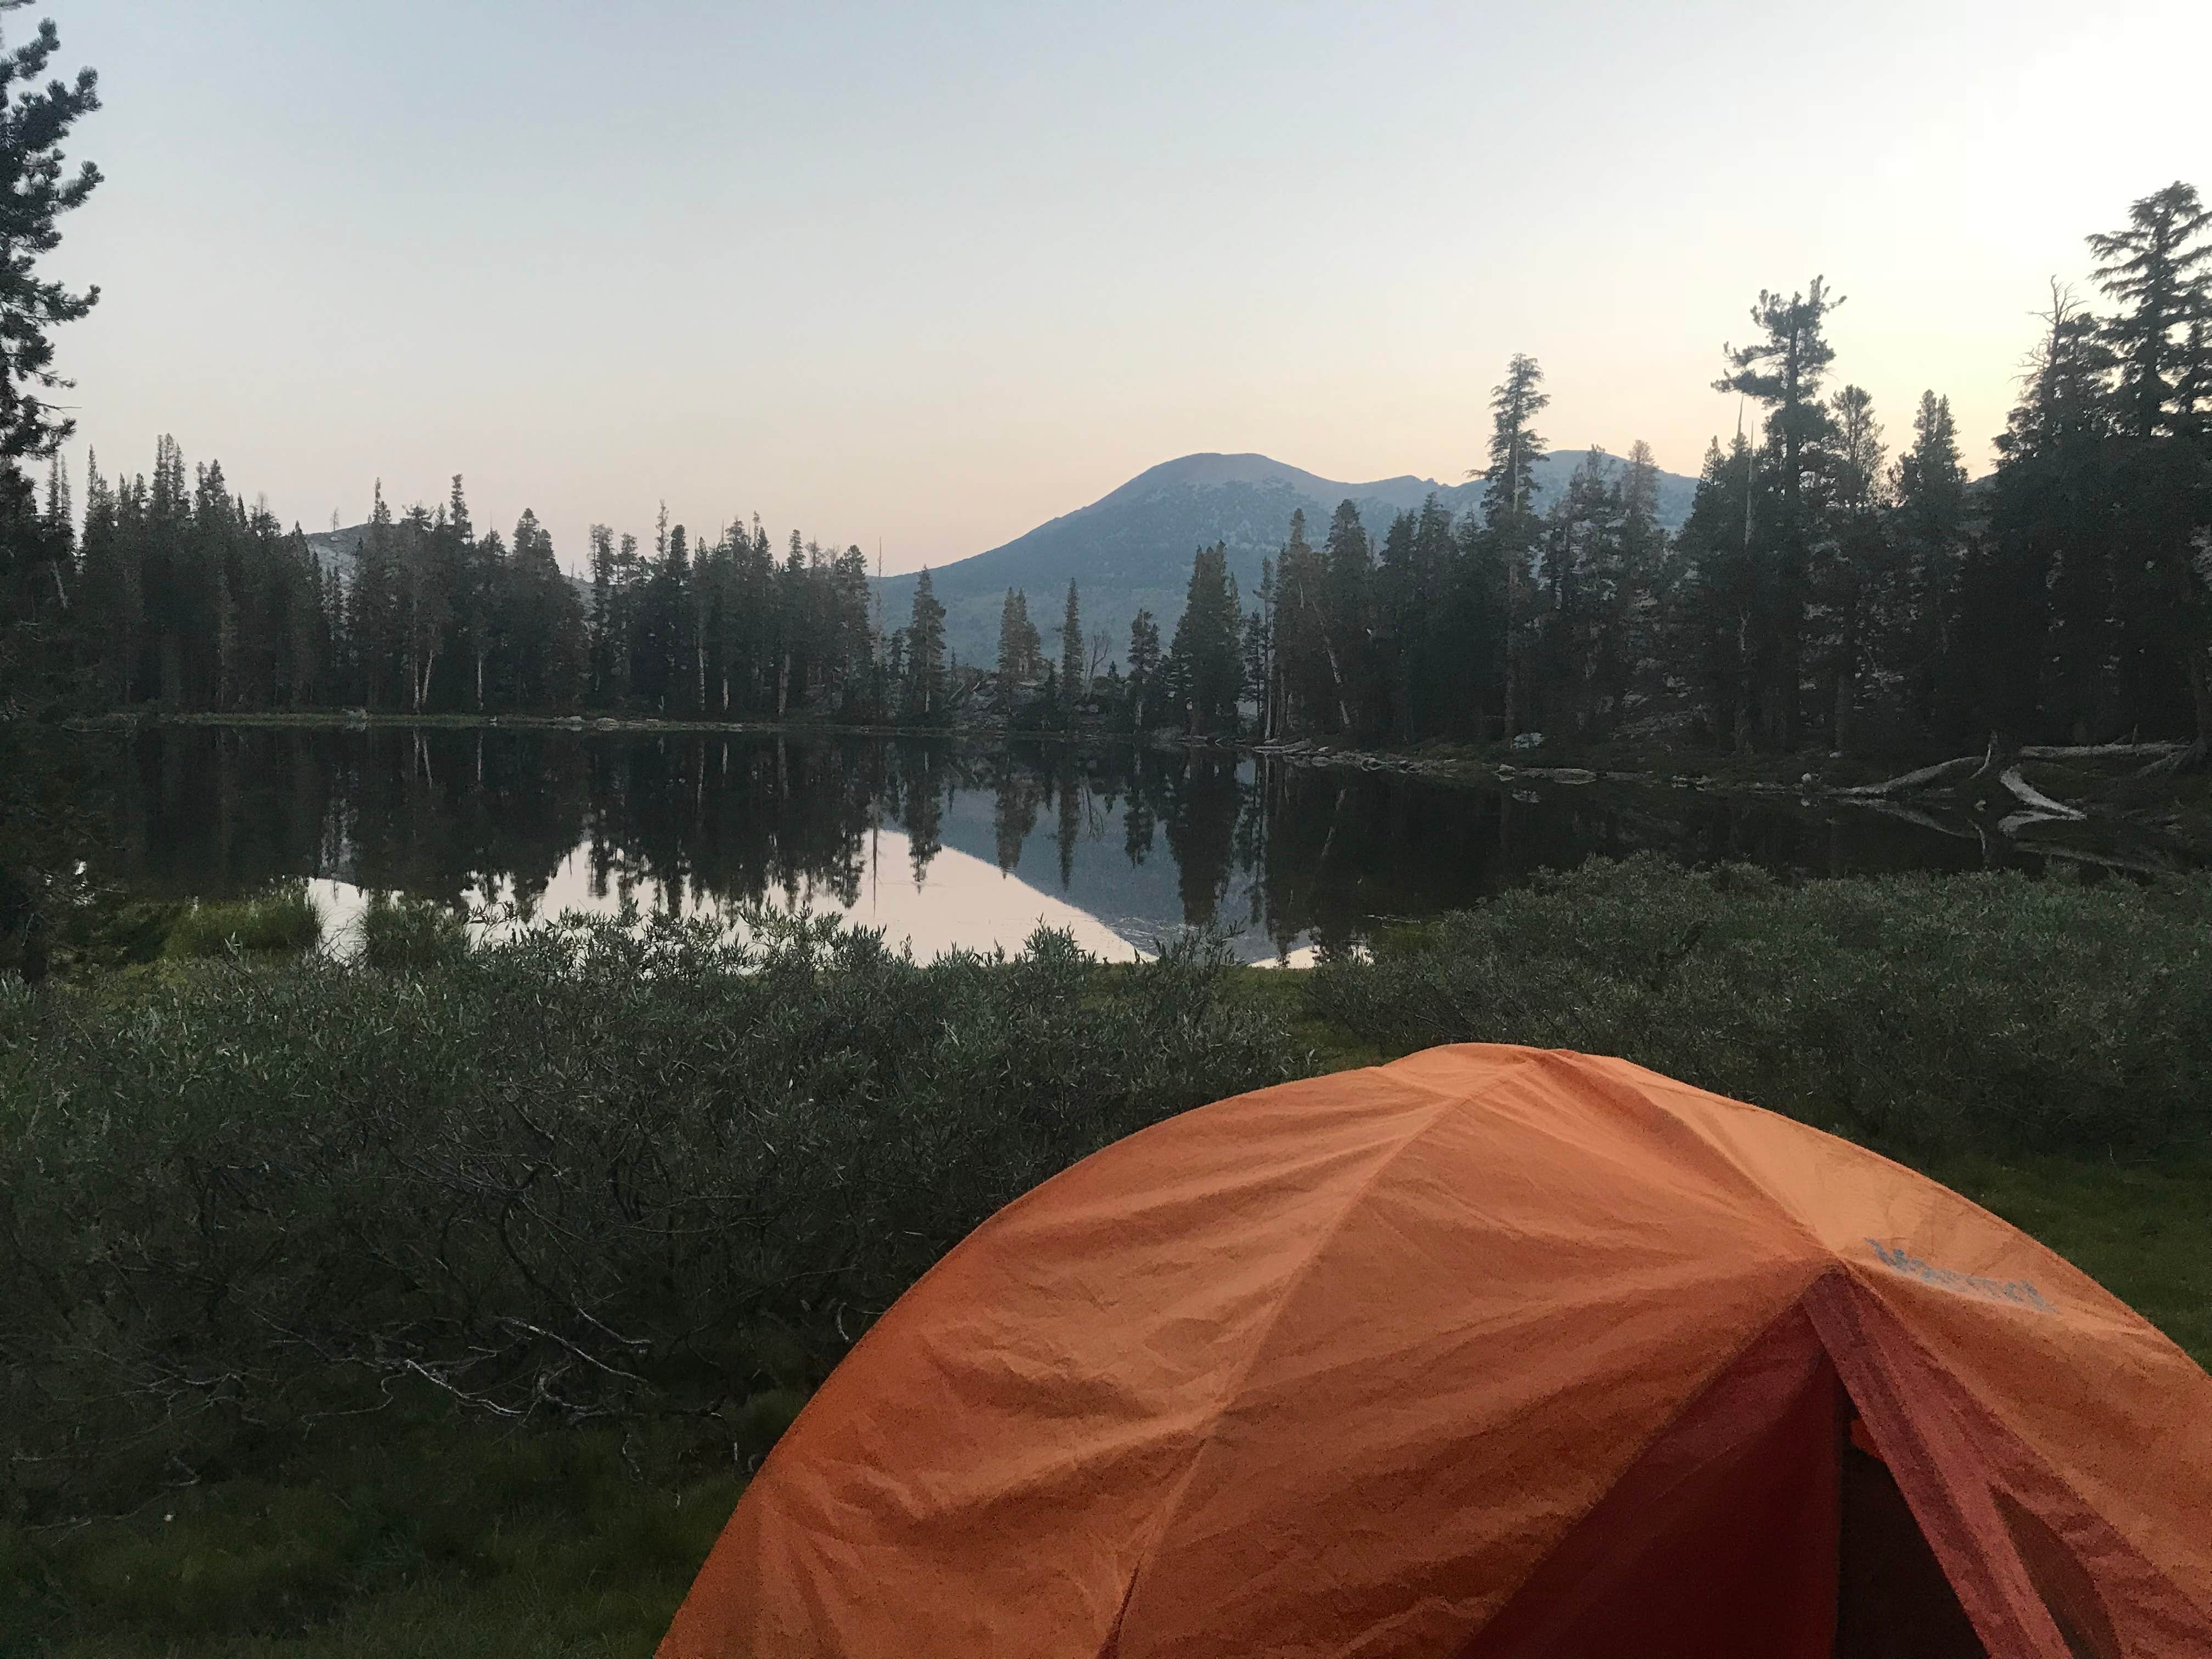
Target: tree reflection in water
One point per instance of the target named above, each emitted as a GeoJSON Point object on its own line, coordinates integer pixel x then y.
{"type": "Point", "coordinates": [1284, 855]}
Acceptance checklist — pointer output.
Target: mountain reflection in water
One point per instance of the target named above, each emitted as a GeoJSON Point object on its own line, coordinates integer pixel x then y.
{"type": "Point", "coordinates": [940, 844]}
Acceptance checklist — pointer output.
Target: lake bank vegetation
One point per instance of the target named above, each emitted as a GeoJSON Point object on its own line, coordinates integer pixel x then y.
{"type": "Point", "coordinates": [261, 1214]}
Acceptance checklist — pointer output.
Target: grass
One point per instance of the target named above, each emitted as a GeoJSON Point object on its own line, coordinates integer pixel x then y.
{"type": "Point", "coordinates": [431, 1536]}
{"type": "Point", "coordinates": [274, 1524]}
{"type": "Point", "coordinates": [2142, 1229]}
{"type": "Point", "coordinates": [284, 918]}
{"type": "Point", "coordinates": [412, 934]}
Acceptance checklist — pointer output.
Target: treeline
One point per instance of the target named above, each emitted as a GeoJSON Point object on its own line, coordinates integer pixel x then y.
{"type": "Point", "coordinates": [178, 593]}
{"type": "Point", "coordinates": [1819, 594]}
{"type": "Point", "coordinates": [1823, 591]}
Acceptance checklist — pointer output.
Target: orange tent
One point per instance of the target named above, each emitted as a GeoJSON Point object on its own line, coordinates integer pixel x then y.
{"type": "Point", "coordinates": [1491, 1352]}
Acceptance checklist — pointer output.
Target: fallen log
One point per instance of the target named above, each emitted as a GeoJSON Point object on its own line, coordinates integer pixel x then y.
{"type": "Point", "coordinates": [1921, 778]}
{"type": "Point", "coordinates": [2037, 802]}
{"type": "Point", "coordinates": [2095, 750]}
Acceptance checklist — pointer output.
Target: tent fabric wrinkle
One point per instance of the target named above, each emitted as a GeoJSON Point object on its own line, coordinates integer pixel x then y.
{"type": "Point", "coordinates": [1489, 1353]}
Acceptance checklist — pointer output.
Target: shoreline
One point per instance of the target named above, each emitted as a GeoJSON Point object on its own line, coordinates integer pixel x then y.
{"type": "Point", "coordinates": [2042, 803]}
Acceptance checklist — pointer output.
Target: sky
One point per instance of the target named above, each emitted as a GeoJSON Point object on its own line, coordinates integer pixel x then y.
{"type": "Point", "coordinates": [923, 276]}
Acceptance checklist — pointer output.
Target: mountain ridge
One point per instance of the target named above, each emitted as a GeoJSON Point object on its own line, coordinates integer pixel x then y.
{"type": "Point", "coordinates": [1130, 549]}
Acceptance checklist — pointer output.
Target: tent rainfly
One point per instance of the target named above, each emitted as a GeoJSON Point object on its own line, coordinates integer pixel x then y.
{"type": "Point", "coordinates": [1491, 1353]}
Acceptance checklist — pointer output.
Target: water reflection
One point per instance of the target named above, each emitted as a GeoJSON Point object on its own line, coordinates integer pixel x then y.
{"type": "Point", "coordinates": [938, 843]}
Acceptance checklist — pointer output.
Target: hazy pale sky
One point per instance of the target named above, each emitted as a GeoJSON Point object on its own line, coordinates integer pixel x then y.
{"type": "Point", "coordinates": [933, 274]}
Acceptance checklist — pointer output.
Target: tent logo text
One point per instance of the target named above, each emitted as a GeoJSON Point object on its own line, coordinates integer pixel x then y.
{"type": "Point", "coordinates": [2018, 1292]}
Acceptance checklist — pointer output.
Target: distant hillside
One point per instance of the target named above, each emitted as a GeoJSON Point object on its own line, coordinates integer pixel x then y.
{"type": "Point", "coordinates": [1130, 551]}
{"type": "Point", "coordinates": [336, 547]}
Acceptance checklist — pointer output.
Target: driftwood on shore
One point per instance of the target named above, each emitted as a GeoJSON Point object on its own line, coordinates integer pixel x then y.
{"type": "Point", "coordinates": [1993, 763]}
{"type": "Point", "coordinates": [2039, 805]}
{"type": "Point", "coordinates": [2096, 750]}
{"type": "Point", "coordinates": [1998, 768]}
{"type": "Point", "coordinates": [1925, 777]}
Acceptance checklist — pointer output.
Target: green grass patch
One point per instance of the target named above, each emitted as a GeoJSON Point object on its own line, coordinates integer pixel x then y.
{"type": "Point", "coordinates": [2142, 1228]}
{"type": "Point", "coordinates": [284, 918]}
{"type": "Point", "coordinates": [391, 1535]}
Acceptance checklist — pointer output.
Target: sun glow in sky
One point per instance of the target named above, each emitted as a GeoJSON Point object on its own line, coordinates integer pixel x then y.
{"type": "Point", "coordinates": [931, 275]}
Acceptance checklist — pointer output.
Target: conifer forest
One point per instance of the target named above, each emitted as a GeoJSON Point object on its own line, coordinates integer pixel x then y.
{"type": "Point", "coordinates": [1840, 582]}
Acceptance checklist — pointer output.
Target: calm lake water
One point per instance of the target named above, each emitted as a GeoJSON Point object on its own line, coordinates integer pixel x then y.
{"type": "Point", "coordinates": [944, 845]}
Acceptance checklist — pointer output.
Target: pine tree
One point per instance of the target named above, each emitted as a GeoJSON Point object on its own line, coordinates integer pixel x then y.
{"type": "Point", "coordinates": [1262, 678]}
{"type": "Point", "coordinates": [1010, 643]}
{"type": "Point", "coordinates": [426, 587]}
{"type": "Point", "coordinates": [1930, 483]}
{"type": "Point", "coordinates": [1784, 371]}
{"type": "Point", "coordinates": [39, 639]}
{"type": "Point", "coordinates": [1850, 579]}
{"type": "Point", "coordinates": [2159, 270]}
{"type": "Point", "coordinates": [1927, 521]}
{"type": "Point", "coordinates": [1350, 619]}
{"type": "Point", "coordinates": [373, 607]}
{"type": "Point", "coordinates": [1648, 572]}
{"type": "Point", "coordinates": [546, 625]}
{"type": "Point", "coordinates": [2065, 399]}
{"type": "Point", "coordinates": [1440, 627]}
{"type": "Point", "coordinates": [1310, 677]}
{"type": "Point", "coordinates": [1575, 598]}
{"type": "Point", "coordinates": [925, 651]}
{"type": "Point", "coordinates": [1021, 652]}
{"type": "Point", "coordinates": [34, 124]}
{"type": "Point", "coordinates": [113, 590]}
{"type": "Point", "coordinates": [1509, 512]}
{"type": "Point", "coordinates": [1144, 665]}
{"type": "Point", "coordinates": [676, 616]}
{"type": "Point", "coordinates": [1717, 635]}
{"type": "Point", "coordinates": [479, 598]}
{"type": "Point", "coordinates": [1207, 663]}
{"type": "Point", "coordinates": [607, 655]}
{"type": "Point", "coordinates": [1073, 686]}
{"type": "Point", "coordinates": [852, 642]}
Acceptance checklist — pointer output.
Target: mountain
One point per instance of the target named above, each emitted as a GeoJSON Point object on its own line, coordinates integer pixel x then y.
{"type": "Point", "coordinates": [335, 549]}
{"type": "Point", "coordinates": [1130, 549]}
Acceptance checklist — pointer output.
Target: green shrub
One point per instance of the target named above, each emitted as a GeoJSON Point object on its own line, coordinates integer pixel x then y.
{"type": "Point", "coordinates": [411, 935]}
{"type": "Point", "coordinates": [283, 919]}
{"type": "Point", "coordinates": [1921, 1011]}
{"type": "Point", "coordinates": [589, 1167]}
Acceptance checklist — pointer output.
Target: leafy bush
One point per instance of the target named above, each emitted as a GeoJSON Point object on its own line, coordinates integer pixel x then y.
{"type": "Point", "coordinates": [283, 919]}
{"type": "Point", "coordinates": [1923, 1011]}
{"type": "Point", "coordinates": [590, 1168]}
{"type": "Point", "coordinates": [600, 1169]}
{"type": "Point", "coordinates": [406, 935]}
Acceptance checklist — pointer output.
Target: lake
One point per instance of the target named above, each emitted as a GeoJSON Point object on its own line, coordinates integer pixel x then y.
{"type": "Point", "coordinates": [943, 845]}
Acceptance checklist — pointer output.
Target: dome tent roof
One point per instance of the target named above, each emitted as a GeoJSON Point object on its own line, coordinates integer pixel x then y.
{"type": "Point", "coordinates": [1489, 1351]}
